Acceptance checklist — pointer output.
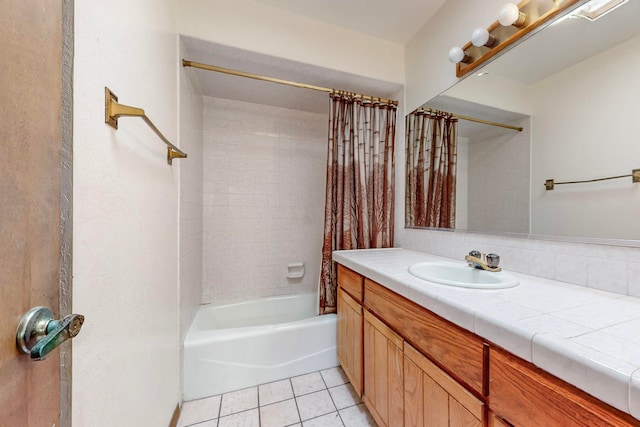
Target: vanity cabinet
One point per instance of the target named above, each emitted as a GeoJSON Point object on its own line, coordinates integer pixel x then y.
{"type": "Point", "coordinates": [375, 327]}
{"type": "Point", "coordinates": [524, 395]}
{"type": "Point", "coordinates": [460, 352]}
{"type": "Point", "coordinates": [383, 372]}
{"type": "Point", "coordinates": [433, 398]}
{"type": "Point", "coordinates": [350, 324]}
{"type": "Point", "coordinates": [422, 370]}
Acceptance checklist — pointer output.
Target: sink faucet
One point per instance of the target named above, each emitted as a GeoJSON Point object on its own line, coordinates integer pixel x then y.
{"type": "Point", "coordinates": [488, 262]}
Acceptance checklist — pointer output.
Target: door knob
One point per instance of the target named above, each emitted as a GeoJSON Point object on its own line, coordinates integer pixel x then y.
{"type": "Point", "coordinates": [38, 333]}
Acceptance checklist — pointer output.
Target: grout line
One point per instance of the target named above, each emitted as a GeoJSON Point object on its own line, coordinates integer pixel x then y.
{"type": "Point", "coordinates": [259, 405]}
{"type": "Point", "coordinates": [331, 397]}
{"type": "Point", "coordinates": [295, 400]}
{"type": "Point", "coordinates": [219, 411]}
{"type": "Point", "coordinates": [240, 412]}
{"type": "Point", "coordinates": [324, 415]}
{"type": "Point", "coordinates": [323, 380]}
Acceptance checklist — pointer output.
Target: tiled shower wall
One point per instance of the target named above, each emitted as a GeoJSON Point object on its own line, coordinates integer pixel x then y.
{"type": "Point", "coordinates": [499, 172]}
{"type": "Point", "coordinates": [264, 190]}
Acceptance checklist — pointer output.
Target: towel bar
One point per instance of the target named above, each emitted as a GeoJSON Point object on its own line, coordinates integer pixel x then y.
{"type": "Point", "coordinates": [635, 177]}
{"type": "Point", "coordinates": [113, 110]}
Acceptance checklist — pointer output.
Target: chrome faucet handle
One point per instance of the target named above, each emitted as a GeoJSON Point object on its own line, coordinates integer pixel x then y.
{"type": "Point", "coordinates": [475, 254]}
{"type": "Point", "coordinates": [493, 260]}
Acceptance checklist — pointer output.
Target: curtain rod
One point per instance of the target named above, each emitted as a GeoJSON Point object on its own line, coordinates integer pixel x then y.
{"type": "Point", "coordinates": [473, 119]}
{"type": "Point", "coordinates": [186, 63]}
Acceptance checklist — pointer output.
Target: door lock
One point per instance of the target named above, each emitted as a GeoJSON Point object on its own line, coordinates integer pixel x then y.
{"type": "Point", "coordinates": [38, 333]}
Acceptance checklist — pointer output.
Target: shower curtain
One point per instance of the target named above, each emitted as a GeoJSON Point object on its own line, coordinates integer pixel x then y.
{"type": "Point", "coordinates": [431, 146]}
{"type": "Point", "coordinates": [360, 183]}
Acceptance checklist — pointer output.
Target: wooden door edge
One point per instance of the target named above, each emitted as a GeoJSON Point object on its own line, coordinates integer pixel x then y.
{"type": "Point", "coordinates": [175, 417]}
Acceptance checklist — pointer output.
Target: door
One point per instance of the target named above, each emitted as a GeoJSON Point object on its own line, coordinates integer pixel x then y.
{"type": "Point", "coordinates": [383, 372]}
{"type": "Point", "coordinates": [350, 339]}
{"type": "Point", "coordinates": [30, 206]}
{"type": "Point", "coordinates": [433, 398]}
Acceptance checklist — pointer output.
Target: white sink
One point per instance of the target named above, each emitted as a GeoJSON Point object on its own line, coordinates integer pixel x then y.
{"type": "Point", "coordinates": [461, 275]}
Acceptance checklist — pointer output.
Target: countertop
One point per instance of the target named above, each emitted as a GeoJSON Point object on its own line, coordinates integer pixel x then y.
{"type": "Point", "coordinates": [587, 337]}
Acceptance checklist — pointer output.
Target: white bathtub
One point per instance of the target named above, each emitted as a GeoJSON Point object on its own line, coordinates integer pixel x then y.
{"type": "Point", "coordinates": [234, 346]}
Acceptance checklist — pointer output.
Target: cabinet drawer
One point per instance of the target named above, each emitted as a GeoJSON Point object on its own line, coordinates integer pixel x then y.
{"type": "Point", "coordinates": [458, 352]}
{"type": "Point", "coordinates": [351, 282]}
{"type": "Point", "coordinates": [525, 395]}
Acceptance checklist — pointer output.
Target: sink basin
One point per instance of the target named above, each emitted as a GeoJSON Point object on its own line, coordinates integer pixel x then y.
{"type": "Point", "coordinates": [461, 275]}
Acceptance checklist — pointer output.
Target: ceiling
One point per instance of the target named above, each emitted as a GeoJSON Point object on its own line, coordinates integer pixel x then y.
{"type": "Point", "coordinates": [396, 21]}
{"type": "Point", "coordinates": [244, 89]}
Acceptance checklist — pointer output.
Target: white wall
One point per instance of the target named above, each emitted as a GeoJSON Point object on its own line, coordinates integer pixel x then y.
{"type": "Point", "coordinates": [586, 126]}
{"type": "Point", "coordinates": [191, 180]}
{"type": "Point", "coordinates": [125, 225]}
{"type": "Point", "coordinates": [256, 27]}
{"type": "Point", "coordinates": [264, 193]}
{"type": "Point", "coordinates": [428, 70]}
{"type": "Point", "coordinates": [494, 91]}
{"type": "Point", "coordinates": [428, 73]}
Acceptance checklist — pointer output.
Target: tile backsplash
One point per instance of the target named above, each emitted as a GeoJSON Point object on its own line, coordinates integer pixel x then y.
{"type": "Point", "coordinates": [598, 266]}
{"type": "Point", "coordinates": [264, 190]}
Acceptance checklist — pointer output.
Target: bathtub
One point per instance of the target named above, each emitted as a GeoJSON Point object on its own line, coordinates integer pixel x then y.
{"type": "Point", "coordinates": [229, 347]}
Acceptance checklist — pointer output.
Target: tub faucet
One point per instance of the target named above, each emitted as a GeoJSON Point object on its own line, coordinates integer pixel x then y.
{"type": "Point", "coordinates": [488, 262]}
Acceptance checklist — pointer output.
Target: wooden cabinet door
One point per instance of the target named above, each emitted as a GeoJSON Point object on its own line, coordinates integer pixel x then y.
{"type": "Point", "coordinates": [30, 193]}
{"type": "Point", "coordinates": [433, 398]}
{"type": "Point", "coordinates": [383, 372]}
{"type": "Point", "coordinates": [350, 339]}
{"type": "Point", "coordinates": [495, 421]}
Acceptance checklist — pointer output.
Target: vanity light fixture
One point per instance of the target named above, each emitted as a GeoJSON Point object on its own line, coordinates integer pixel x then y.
{"type": "Point", "coordinates": [510, 15]}
{"type": "Point", "coordinates": [481, 37]}
{"type": "Point", "coordinates": [596, 9]}
{"type": "Point", "coordinates": [456, 55]}
{"type": "Point", "coordinates": [515, 22]}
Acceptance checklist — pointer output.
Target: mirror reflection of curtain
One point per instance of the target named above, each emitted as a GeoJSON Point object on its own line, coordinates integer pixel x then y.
{"type": "Point", "coordinates": [431, 151]}
{"type": "Point", "coordinates": [360, 183]}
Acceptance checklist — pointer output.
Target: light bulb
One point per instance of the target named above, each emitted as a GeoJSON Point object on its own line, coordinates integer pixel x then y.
{"type": "Point", "coordinates": [456, 55]}
{"type": "Point", "coordinates": [511, 15]}
{"type": "Point", "coordinates": [481, 37]}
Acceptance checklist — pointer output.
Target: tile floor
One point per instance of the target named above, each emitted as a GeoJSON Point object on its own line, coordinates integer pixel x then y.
{"type": "Point", "coordinates": [318, 399]}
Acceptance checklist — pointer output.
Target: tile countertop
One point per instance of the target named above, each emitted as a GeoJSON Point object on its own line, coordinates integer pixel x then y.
{"type": "Point", "coordinates": [587, 337]}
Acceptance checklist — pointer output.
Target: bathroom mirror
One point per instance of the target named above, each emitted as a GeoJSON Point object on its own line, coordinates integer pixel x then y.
{"type": "Point", "coordinates": [574, 88]}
